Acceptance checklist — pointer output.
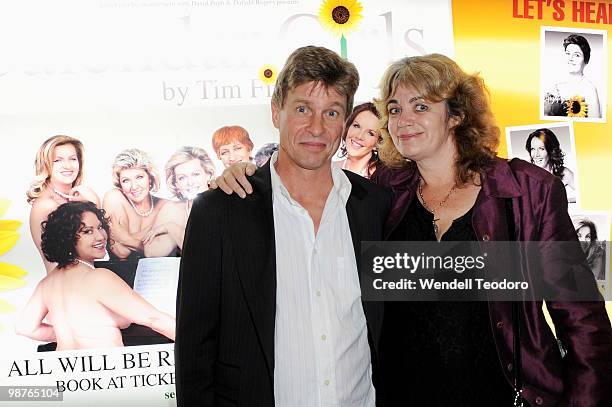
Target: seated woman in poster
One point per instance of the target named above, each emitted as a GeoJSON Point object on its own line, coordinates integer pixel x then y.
{"type": "Point", "coordinates": [131, 206]}
{"type": "Point", "coordinates": [576, 96]}
{"type": "Point", "coordinates": [77, 305]}
{"type": "Point", "coordinates": [545, 152]}
{"type": "Point", "coordinates": [58, 179]}
{"type": "Point", "coordinates": [187, 174]}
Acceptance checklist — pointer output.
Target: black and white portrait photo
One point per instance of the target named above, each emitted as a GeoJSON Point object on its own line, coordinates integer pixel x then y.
{"type": "Point", "coordinates": [573, 74]}
{"type": "Point", "coordinates": [593, 231]}
{"type": "Point", "coordinates": [551, 147]}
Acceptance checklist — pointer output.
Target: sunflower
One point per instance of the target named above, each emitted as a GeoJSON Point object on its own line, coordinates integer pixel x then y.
{"type": "Point", "coordinates": [577, 107]}
{"type": "Point", "coordinates": [340, 16]}
{"type": "Point", "coordinates": [267, 74]}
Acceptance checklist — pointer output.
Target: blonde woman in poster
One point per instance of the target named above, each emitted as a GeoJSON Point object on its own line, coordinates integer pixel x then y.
{"type": "Point", "coordinates": [360, 141]}
{"type": "Point", "coordinates": [187, 174]}
{"type": "Point", "coordinates": [78, 305]}
{"type": "Point", "coordinates": [576, 95]}
{"type": "Point", "coordinates": [59, 176]}
{"type": "Point", "coordinates": [131, 206]}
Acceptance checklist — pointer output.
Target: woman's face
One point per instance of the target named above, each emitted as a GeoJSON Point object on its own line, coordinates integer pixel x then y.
{"type": "Point", "coordinates": [65, 165]}
{"type": "Point", "coordinates": [135, 184]}
{"type": "Point", "coordinates": [190, 179]}
{"type": "Point", "coordinates": [584, 234]}
{"type": "Point", "coordinates": [538, 153]}
{"type": "Point", "coordinates": [420, 129]}
{"type": "Point", "coordinates": [91, 238]}
{"type": "Point", "coordinates": [575, 58]}
{"type": "Point", "coordinates": [361, 136]}
{"type": "Point", "coordinates": [234, 152]}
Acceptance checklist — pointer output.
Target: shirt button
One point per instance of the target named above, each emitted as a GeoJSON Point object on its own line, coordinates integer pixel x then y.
{"type": "Point", "coordinates": [539, 401]}
{"type": "Point", "coordinates": [318, 293]}
{"type": "Point", "coordinates": [326, 382]}
{"type": "Point", "coordinates": [509, 367]}
{"type": "Point", "coordinates": [323, 337]}
{"type": "Point", "coordinates": [485, 237]}
{"type": "Point", "coordinates": [500, 325]}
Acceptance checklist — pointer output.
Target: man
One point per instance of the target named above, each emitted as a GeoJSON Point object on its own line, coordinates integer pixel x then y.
{"type": "Point", "coordinates": [269, 308]}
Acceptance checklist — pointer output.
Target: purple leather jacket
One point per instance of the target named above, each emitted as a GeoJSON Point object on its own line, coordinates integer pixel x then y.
{"type": "Point", "coordinates": [584, 376]}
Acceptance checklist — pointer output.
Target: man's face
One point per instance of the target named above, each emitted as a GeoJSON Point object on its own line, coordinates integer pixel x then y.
{"type": "Point", "coordinates": [310, 125]}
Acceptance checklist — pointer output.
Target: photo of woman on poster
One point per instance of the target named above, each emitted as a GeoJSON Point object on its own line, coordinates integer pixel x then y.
{"type": "Point", "coordinates": [574, 92]}
{"type": "Point", "coordinates": [551, 148]}
{"type": "Point", "coordinates": [187, 174]}
{"type": "Point", "coordinates": [131, 206]}
{"type": "Point", "coordinates": [545, 152]}
{"type": "Point", "coordinates": [78, 305]}
{"type": "Point", "coordinates": [360, 140]}
{"type": "Point", "coordinates": [58, 179]}
{"type": "Point", "coordinates": [594, 249]}
{"type": "Point", "coordinates": [232, 145]}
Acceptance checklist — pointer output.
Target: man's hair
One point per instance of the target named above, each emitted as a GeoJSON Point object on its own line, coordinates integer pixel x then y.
{"type": "Point", "coordinates": [319, 65]}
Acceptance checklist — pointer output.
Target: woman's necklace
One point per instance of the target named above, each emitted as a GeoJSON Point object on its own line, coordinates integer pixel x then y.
{"type": "Point", "coordinates": [86, 263]}
{"type": "Point", "coordinates": [142, 214]}
{"type": "Point", "coordinates": [433, 211]}
{"type": "Point", "coordinates": [362, 172]}
{"type": "Point", "coordinates": [63, 195]}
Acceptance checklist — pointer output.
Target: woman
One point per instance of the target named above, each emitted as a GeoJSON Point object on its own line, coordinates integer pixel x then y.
{"type": "Point", "coordinates": [576, 95]}
{"type": "Point", "coordinates": [187, 173]}
{"type": "Point", "coordinates": [545, 152]}
{"type": "Point", "coordinates": [58, 179]}
{"type": "Point", "coordinates": [595, 252]}
{"type": "Point", "coordinates": [360, 140]}
{"type": "Point", "coordinates": [131, 206]}
{"type": "Point", "coordinates": [232, 145]}
{"type": "Point", "coordinates": [78, 305]}
{"type": "Point", "coordinates": [439, 143]}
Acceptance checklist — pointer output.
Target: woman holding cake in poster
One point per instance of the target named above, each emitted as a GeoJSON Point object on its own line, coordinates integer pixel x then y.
{"type": "Point", "coordinates": [131, 206]}
{"type": "Point", "coordinates": [576, 96]}
{"type": "Point", "coordinates": [77, 305]}
{"type": "Point", "coordinates": [58, 179]}
{"type": "Point", "coordinates": [187, 174]}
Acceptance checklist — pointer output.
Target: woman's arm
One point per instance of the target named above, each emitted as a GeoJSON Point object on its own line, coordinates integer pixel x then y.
{"type": "Point", "coordinates": [31, 323]}
{"type": "Point", "coordinates": [38, 214]}
{"type": "Point", "coordinates": [112, 292]}
{"type": "Point", "coordinates": [166, 234]}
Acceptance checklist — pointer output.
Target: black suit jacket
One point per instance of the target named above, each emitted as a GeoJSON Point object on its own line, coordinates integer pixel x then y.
{"type": "Point", "coordinates": [226, 301]}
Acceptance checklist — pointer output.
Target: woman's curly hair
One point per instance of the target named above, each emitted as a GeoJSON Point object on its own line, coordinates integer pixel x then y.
{"type": "Point", "coordinates": [553, 149]}
{"type": "Point", "coordinates": [60, 231]}
{"type": "Point", "coordinates": [438, 78]}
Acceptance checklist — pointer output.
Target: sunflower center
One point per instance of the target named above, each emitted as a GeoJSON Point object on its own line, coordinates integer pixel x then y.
{"type": "Point", "coordinates": [575, 107]}
{"type": "Point", "coordinates": [340, 14]}
{"type": "Point", "coordinates": [267, 73]}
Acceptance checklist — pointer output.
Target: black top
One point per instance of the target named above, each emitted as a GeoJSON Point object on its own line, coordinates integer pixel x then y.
{"type": "Point", "coordinates": [440, 353]}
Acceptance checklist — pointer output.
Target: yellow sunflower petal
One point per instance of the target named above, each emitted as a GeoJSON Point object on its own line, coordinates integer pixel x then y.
{"type": "Point", "coordinates": [4, 204]}
{"type": "Point", "coordinates": [577, 107]}
{"type": "Point", "coordinates": [6, 307]}
{"type": "Point", "coordinates": [10, 283]}
{"type": "Point", "coordinates": [268, 74]}
{"type": "Point", "coordinates": [10, 270]}
{"type": "Point", "coordinates": [11, 225]}
{"type": "Point", "coordinates": [340, 17]}
{"type": "Point", "coordinates": [8, 239]}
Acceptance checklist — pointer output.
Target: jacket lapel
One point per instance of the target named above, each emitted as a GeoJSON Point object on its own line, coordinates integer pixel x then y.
{"type": "Point", "coordinates": [256, 259]}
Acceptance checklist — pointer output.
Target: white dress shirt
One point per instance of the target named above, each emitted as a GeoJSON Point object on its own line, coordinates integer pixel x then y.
{"type": "Point", "coordinates": [321, 351]}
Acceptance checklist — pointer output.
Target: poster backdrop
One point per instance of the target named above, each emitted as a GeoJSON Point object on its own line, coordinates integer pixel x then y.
{"type": "Point", "coordinates": [517, 46]}
{"type": "Point", "coordinates": [141, 79]}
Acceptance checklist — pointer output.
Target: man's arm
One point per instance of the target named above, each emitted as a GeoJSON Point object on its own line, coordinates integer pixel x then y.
{"type": "Point", "coordinates": [198, 302]}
